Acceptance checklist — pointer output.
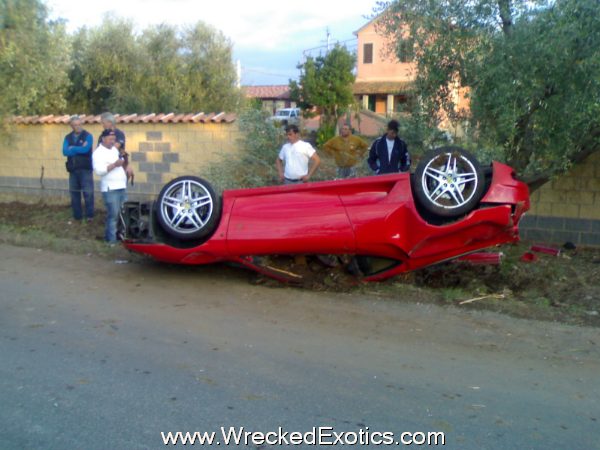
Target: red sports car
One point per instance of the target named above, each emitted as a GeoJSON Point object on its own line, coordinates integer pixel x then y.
{"type": "Point", "coordinates": [389, 224]}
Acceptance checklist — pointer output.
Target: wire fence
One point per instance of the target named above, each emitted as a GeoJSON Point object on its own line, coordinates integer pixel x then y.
{"type": "Point", "coordinates": [65, 192]}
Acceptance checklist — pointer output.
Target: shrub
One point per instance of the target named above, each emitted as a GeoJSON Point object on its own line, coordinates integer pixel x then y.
{"type": "Point", "coordinates": [255, 163]}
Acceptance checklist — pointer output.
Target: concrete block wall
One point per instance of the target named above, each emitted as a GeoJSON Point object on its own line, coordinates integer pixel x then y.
{"type": "Point", "coordinates": [33, 167]}
{"type": "Point", "coordinates": [567, 209]}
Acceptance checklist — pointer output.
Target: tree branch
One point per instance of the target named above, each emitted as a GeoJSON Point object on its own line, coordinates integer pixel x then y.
{"type": "Point", "coordinates": [590, 146]}
{"type": "Point", "coordinates": [505, 16]}
{"type": "Point", "coordinates": [516, 157]}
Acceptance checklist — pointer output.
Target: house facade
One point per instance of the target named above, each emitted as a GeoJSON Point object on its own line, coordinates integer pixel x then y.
{"type": "Point", "coordinates": [383, 79]}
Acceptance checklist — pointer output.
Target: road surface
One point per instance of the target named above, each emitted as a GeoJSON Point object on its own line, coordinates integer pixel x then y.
{"type": "Point", "coordinates": [100, 355]}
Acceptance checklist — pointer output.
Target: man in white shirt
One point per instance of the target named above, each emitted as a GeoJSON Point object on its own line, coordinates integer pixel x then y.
{"type": "Point", "coordinates": [113, 183]}
{"type": "Point", "coordinates": [295, 157]}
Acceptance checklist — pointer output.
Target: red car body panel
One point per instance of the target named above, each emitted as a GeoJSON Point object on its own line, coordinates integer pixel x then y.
{"type": "Point", "coordinates": [373, 216]}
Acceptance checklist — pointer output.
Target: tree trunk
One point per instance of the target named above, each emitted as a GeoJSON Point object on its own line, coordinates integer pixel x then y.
{"type": "Point", "coordinates": [589, 146]}
{"type": "Point", "coordinates": [520, 151]}
{"type": "Point", "coordinates": [505, 15]}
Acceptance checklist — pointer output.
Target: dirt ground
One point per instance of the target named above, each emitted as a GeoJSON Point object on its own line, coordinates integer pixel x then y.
{"type": "Point", "coordinates": [564, 288]}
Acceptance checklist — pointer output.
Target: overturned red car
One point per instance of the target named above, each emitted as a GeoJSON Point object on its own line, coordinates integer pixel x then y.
{"type": "Point", "coordinates": [450, 206]}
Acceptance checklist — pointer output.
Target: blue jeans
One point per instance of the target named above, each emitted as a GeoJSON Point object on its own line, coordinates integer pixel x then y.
{"type": "Point", "coordinates": [113, 200]}
{"type": "Point", "coordinates": [81, 182]}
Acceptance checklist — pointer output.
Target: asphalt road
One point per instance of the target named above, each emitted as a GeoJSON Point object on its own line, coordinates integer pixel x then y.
{"type": "Point", "coordinates": [100, 355]}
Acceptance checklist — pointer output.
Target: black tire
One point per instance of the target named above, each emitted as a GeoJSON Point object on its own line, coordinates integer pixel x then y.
{"type": "Point", "coordinates": [448, 182]}
{"type": "Point", "coordinates": [187, 208]}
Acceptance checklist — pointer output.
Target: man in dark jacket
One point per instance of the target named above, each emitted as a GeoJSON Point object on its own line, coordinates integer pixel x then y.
{"type": "Point", "coordinates": [77, 147]}
{"type": "Point", "coordinates": [389, 153]}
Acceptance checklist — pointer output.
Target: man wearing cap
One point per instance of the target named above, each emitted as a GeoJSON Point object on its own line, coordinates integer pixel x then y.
{"type": "Point", "coordinates": [108, 121]}
{"type": "Point", "coordinates": [77, 147]}
{"type": "Point", "coordinates": [389, 153]}
{"type": "Point", "coordinates": [113, 183]}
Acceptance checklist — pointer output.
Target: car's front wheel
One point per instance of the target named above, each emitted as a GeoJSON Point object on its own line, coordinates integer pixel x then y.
{"type": "Point", "coordinates": [188, 208]}
{"type": "Point", "coordinates": [448, 182]}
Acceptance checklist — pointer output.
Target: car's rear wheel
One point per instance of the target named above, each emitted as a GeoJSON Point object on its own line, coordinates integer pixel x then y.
{"type": "Point", "coordinates": [188, 208]}
{"type": "Point", "coordinates": [448, 182]}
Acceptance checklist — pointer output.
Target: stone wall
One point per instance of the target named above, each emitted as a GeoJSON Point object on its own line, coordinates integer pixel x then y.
{"type": "Point", "coordinates": [33, 167]}
{"type": "Point", "coordinates": [567, 209]}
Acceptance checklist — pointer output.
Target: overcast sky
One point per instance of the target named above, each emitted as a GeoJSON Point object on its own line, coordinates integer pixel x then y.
{"type": "Point", "coordinates": [269, 36]}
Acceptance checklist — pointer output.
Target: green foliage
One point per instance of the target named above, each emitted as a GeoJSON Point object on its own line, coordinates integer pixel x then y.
{"type": "Point", "coordinates": [209, 74]}
{"type": "Point", "coordinates": [106, 68]}
{"type": "Point", "coordinates": [254, 165]}
{"type": "Point", "coordinates": [419, 134]}
{"type": "Point", "coordinates": [326, 83]}
{"type": "Point", "coordinates": [34, 59]}
{"type": "Point", "coordinates": [532, 69]}
{"type": "Point", "coordinates": [161, 88]}
{"type": "Point", "coordinates": [324, 133]}
{"type": "Point", "coordinates": [110, 67]}
{"type": "Point", "coordinates": [162, 70]}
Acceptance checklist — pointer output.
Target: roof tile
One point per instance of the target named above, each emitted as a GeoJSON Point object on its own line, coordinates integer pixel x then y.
{"type": "Point", "coordinates": [131, 118]}
{"type": "Point", "coordinates": [208, 118]}
{"type": "Point", "coordinates": [164, 118]}
{"type": "Point", "coordinates": [197, 117]}
{"type": "Point", "coordinates": [280, 91]}
{"type": "Point", "coordinates": [177, 118]}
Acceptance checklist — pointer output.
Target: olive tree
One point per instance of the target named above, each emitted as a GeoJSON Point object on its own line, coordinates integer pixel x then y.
{"type": "Point", "coordinates": [162, 69]}
{"type": "Point", "coordinates": [532, 69]}
{"type": "Point", "coordinates": [106, 68]}
{"type": "Point", "coordinates": [326, 84]}
{"type": "Point", "coordinates": [34, 59]}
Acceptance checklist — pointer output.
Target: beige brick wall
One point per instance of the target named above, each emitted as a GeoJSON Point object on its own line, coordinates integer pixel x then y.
{"type": "Point", "coordinates": [574, 195]}
{"type": "Point", "coordinates": [158, 153]}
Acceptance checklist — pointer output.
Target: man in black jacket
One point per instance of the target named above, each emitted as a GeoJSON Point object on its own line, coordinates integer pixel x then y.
{"type": "Point", "coordinates": [389, 153]}
{"type": "Point", "coordinates": [77, 147]}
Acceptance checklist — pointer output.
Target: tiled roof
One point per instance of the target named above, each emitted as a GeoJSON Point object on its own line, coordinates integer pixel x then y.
{"type": "Point", "coordinates": [280, 91]}
{"type": "Point", "coordinates": [381, 87]}
{"type": "Point", "coordinates": [132, 118]}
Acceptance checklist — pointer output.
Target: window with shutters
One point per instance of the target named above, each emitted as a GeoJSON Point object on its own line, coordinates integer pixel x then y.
{"type": "Point", "coordinates": [367, 53]}
{"type": "Point", "coordinates": [406, 51]}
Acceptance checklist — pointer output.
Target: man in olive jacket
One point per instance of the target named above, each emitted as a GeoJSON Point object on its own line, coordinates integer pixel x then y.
{"type": "Point", "coordinates": [347, 150]}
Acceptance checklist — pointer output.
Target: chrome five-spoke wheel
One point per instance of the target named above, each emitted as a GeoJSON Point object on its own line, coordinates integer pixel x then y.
{"type": "Point", "coordinates": [449, 182]}
{"type": "Point", "coordinates": [188, 208]}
